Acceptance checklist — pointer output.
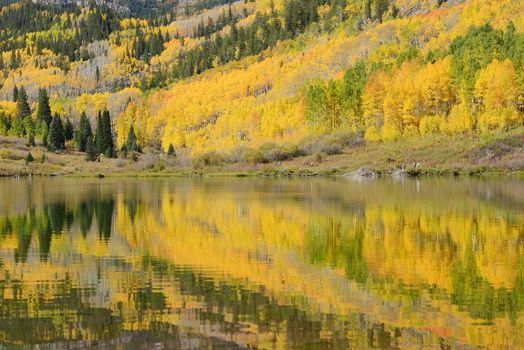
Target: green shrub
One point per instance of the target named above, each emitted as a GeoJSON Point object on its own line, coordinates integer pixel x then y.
{"type": "Point", "coordinates": [252, 156]}
{"type": "Point", "coordinates": [237, 154]}
{"type": "Point", "coordinates": [272, 152]}
{"type": "Point", "coordinates": [209, 159]}
{"type": "Point", "coordinates": [10, 155]}
{"type": "Point", "coordinates": [293, 151]}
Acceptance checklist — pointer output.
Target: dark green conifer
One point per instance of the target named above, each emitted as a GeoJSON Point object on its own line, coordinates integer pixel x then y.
{"type": "Point", "coordinates": [171, 151]}
{"type": "Point", "coordinates": [43, 112]}
{"type": "Point", "coordinates": [83, 132]}
{"type": "Point", "coordinates": [131, 144]}
{"type": "Point", "coordinates": [90, 149]}
{"type": "Point", "coordinates": [15, 93]}
{"type": "Point", "coordinates": [29, 158]}
{"type": "Point", "coordinates": [55, 139]}
{"type": "Point", "coordinates": [68, 130]}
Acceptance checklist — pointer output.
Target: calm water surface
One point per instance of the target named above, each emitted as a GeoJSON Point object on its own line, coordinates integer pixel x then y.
{"type": "Point", "coordinates": [266, 264]}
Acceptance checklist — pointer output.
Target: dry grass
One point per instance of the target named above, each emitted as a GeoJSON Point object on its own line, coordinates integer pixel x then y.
{"type": "Point", "coordinates": [438, 154]}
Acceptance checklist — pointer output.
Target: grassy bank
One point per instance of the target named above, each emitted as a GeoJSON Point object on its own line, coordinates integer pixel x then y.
{"type": "Point", "coordinates": [434, 155]}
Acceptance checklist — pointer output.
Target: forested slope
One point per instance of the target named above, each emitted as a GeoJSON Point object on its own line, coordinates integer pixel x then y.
{"type": "Point", "coordinates": [232, 77]}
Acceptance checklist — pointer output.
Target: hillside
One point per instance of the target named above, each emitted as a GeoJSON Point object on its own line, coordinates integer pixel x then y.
{"type": "Point", "coordinates": [264, 81]}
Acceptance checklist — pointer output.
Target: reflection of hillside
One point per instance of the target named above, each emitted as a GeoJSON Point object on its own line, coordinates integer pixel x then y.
{"type": "Point", "coordinates": [270, 263]}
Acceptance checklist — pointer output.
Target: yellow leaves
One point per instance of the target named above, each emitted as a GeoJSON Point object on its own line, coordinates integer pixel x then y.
{"type": "Point", "coordinates": [8, 107]}
{"type": "Point", "coordinates": [497, 93]}
{"type": "Point", "coordinates": [400, 102]}
{"type": "Point", "coordinates": [130, 23]}
{"type": "Point", "coordinates": [436, 87]}
{"type": "Point", "coordinates": [499, 118]}
{"type": "Point", "coordinates": [496, 85]}
{"type": "Point", "coordinates": [429, 124]}
{"type": "Point", "coordinates": [372, 134]}
{"type": "Point", "coordinates": [282, 119]}
{"type": "Point", "coordinates": [373, 99]}
{"type": "Point", "coordinates": [460, 120]}
{"type": "Point", "coordinates": [91, 104]}
{"type": "Point", "coordinates": [33, 78]}
{"type": "Point", "coordinates": [323, 11]}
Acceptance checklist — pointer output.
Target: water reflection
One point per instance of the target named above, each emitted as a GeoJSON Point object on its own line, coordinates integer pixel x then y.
{"type": "Point", "coordinates": [252, 263]}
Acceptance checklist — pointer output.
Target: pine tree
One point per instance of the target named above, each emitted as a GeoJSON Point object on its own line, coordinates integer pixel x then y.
{"type": "Point", "coordinates": [22, 111]}
{"type": "Point", "coordinates": [99, 135]}
{"type": "Point", "coordinates": [5, 124]}
{"type": "Point", "coordinates": [171, 151]}
{"type": "Point", "coordinates": [131, 144]}
{"type": "Point", "coordinates": [29, 158]}
{"type": "Point", "coordinates": [68, 130]}
{"type": "Point", "coordinates": [44, 133]}
{"type": "Point", "coordinates": [44, 110]}
{"type": "Point", "coordinates": [13, 63]}
{"type": "Point", "coordinates": [55, 139]}
{"type": "Point", "coordinates": [83, 132]}
{"type": "Point", "coordinates": [15, 93]}
{"type": "Point", "coordinates": [109, 150]}
{"type": "Point", "coordinates": [90, 149]}
{"type": "Point", "coordinates": [29, 129]}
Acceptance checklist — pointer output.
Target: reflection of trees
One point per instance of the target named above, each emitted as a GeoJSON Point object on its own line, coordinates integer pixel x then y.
{"type": "Point", "coordinates": [104, 214]}
{"type": "Point", "coordinates": [340, 242]}
{"type": "Point", "coordinates": [55, 219]}
{"type": "Point", "coordinates": [57, 315]}
{"type": "Point", "coordinates": [84, 215]}
{"type": "Point", "coordinates": [405, 251]}
{"type": "Point", "coordinates": [231, 307]}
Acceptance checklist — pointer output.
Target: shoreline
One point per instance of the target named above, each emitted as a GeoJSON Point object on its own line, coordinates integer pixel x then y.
{"type": "Point", "coordinates": [288, 173]}
{"type": "Point", "coordinates": [500, 154]}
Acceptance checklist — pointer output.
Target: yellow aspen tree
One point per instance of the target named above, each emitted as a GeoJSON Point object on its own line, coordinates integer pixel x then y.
{"type": "Point", "coordinates": [400, 103]}
{"type": "Point", "coordinates": [496, 94]}
{"type": "Point", "coordinates": [373, 104]}
{"type": "Point", "coordinates": [436, 88]}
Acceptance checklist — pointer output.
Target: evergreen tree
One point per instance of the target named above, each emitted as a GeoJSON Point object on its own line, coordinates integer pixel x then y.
{"type": "Point", "coordinates": [171, 151]}
{"type": "Point", "coordinates": [15, 93]}
{"type": "Point", "coordinates": [68, 130]}
{"type": "Point", "coordinates": [13, 63]}
{"type": "Point", "coordinates": [29, 128]}
{"type": "Point", "coordinates": [44, 133]}
{"type": "Point", "coordinates": [131, 144]}
{"type": "Point", "coordinates": [99, 135]}
{"type": "Point", "coordinates": [44, 110]}
{"type": "Point", "coordinates": [83, 132]}
{"type": "Point", "coordinates": [109, 147]}
{"type": "Point", "coordinates": [5, 124]}
{"type": "Point", "coordinates": [22, 111]}
{"type": "Point", "coordinates": [17, 128]}
{"type": "Point", "coordinates": [55, 139]}
{"type": "Point", "coordinates": [90, 149]}
{"type": "Point", "coordinates": [29, 158]}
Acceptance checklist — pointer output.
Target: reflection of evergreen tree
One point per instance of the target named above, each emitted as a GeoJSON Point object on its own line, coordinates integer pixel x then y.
{"type": "Point", "coordinates": [104, 215]}
{"type": "Point", "coordinates": [45, 235]}
{"type": "Point", "coordinates": [84, 216]}
{"type": "Point", "coordinates": [132, 206]}
{"type": "Point", "coordinates": [56, 212]}
{"type": "Point", "coordinates": [20, 227]}
{"type": "Point", "coordinates": [69, 219]}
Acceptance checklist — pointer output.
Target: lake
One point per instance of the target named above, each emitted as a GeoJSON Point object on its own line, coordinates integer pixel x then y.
{"type": "Point", "coordinates": [322, 263]}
